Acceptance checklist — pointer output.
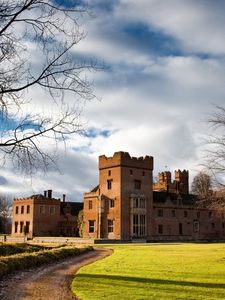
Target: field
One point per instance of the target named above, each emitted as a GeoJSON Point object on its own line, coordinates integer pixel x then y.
{"type": "Point", "coordinates": [155, 271]}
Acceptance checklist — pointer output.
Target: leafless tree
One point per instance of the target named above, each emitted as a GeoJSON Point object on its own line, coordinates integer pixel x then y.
{"type": "Point", "coordinates": [5, 211]}
{"type": "Point", "coordinates": [50, 31]}
{"type": "Point", "coordinates": [215, 153]}
{"type": "Point", "coordinates": [201, 185]}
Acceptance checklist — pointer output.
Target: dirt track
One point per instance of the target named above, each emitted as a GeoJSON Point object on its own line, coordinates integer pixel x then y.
{"type": "Point", "coordinates": [50, 282]}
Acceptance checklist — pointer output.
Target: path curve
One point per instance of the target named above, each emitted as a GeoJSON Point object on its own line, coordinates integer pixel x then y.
{"type": "Point", "coordinates": [50, 282]}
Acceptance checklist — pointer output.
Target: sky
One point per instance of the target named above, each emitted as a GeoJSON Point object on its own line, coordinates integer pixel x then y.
{"type": "Point", "coordinates": [164, 70]}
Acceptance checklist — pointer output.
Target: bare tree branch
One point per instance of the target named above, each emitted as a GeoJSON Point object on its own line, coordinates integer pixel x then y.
{"type": "Point", "coordinates": [214, 160]}
{"type": "Point", "coordinates": [51, 31]}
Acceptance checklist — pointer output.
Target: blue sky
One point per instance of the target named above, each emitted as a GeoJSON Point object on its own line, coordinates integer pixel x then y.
{"type": "Point", "coordinates": [164, 72]}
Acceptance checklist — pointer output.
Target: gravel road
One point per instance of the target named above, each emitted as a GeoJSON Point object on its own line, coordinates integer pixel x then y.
{"type": "Point", "coordinates": [47, 282]}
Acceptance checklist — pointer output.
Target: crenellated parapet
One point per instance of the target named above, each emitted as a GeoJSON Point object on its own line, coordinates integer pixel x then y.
{"type": "Point", "coordinates": [164, 177]}
{"type": "Point", "coordinates": [125, 160]}
{"type": "Point", "coordinates": [179, 184]}
{"type": "Point", "coordinates": [181, 175]}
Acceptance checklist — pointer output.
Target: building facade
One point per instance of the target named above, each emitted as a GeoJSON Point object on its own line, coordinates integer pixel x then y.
{"type": "Point", "coordinates": [122, 200]}
{"type": "Point", "coordinates": [126, 205]}
{"type": "Point", "coordinates": [43, 215]}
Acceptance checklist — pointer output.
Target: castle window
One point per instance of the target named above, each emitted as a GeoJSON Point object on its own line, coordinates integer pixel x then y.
{"type": "Point", "coordinates": [180, 228]}
{"type": "Point", "coordinates": [139, 225]}
{"type": "Point", "coordinates": [185, 214]}
{"type": "Point", "coordinates": [27, 228]}
{"type": "Point", "coordinates": [160, 213]}
{"type": "Point", "coordinates": [213, 225]}
{"type": "Point", "coordinates": [28, 209]}
{"type": "Point", "coordinates": [17, 210]}
{"type": "Point", "coordinates": [51, 210]}
{"type": "Point", "coordinates": [196, 226]}
{"type": "Point", "coordinates": [135, 202]}
{"type": "Point", "coordinates": [90, 204]}
{"type": "Point", "coordinates": [21, 227]}
{"type": "Point", "coordinates": [109, 184]}
{"type": "Point", "coordinates": [135, 225]}
{"type": "Point", "coordinates": [131, 172]}
{"type": "Point", "coordinates": [142, 202]}
{"type": "Point", "coordinates": [110, 225]}
{"type": "Point", "coordinates": [91, 226]}
{"type": "Point", "coordinates": [109, 173]}
{"type": "Point", "coordinates": [111, 203]}
{"type": "Point", "coordinates": [16, 227]}
{"type": "Point", "coordinates": [137, 184]}
{"type": "Point", "coordinates": [22, 209]}
{"type": "Point", "coordinates": [142, 225]}
{"type": "Point", "coordinates": [41, 209]}
{"type": "Point", "coordinates": [160, 229]}
{"type": "Point", "coordinates": [173, 213]}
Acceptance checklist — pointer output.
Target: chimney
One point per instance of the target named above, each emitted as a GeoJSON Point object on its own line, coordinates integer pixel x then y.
{"type": "Point", "coordinates": [45, 194]}
{"type": "Point", "coordinates": [50, 194]}
{"type": "Point", "coordinates": [64, 197]}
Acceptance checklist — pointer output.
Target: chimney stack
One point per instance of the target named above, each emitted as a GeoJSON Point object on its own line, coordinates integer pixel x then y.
{"type": "Point", "coordinates": [45, 194]}
{"type": "Point", "coordinates": [50, 194]}
{"type": "Point", "coordinates": [64, 197]}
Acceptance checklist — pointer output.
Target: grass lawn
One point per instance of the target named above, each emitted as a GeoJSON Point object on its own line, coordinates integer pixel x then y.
{"type": "Point", "coordinates": [155, 271]}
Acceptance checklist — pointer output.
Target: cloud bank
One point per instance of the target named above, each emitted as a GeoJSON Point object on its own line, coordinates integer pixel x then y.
{"type": "Point", "coordinates": [164, 71]}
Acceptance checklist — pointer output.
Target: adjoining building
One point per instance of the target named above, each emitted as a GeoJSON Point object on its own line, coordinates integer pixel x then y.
{"type": "Point", "coordinates": [43, 215]}
{"type": "Point", "coordinates": [127, 205]}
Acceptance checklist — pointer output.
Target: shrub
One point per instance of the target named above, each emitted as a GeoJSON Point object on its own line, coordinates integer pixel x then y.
{"type": "Point", "coordinates": [10, 249]}
{"type": "Point", "coordinates": [22, 261]}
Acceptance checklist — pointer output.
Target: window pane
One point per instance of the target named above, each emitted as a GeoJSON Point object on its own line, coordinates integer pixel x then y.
{"type": "Point", "coordinates": [110, 225]}
{"type": "Point", "coordinates": [91, 226]}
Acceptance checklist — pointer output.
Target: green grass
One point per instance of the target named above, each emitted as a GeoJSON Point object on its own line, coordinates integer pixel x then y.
{"type": "Point", "coordinates": [155, 271]}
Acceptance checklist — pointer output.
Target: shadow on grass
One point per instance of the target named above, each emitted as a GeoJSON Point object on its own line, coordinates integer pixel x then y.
{"type": "Point", "coordinates": [152, 281]}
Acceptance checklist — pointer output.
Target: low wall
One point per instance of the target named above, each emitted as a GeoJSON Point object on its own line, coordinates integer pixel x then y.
{"type": "Point", "coordinates": [11, 239]}
{"type": "Point", "coordinates": [62, 240]}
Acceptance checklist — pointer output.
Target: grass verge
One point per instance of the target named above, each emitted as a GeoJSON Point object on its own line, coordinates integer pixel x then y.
{"type": "Point", "coordinates": [22, 261]}
{"type": "Point", "coordinates": [155, 271]}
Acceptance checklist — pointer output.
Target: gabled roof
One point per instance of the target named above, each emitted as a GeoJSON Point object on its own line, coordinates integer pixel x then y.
{"type": "Point", "coordinates": [95, 189]}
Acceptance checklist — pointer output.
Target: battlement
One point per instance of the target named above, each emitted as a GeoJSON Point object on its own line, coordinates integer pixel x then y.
{"type": "Point", "coordinates": [164, 177]}
{"type": "Point", "coordinates": [179, 184]}
{"type": "Point", "coordinates": [181, 175]}
{"type": "Point", "coordinates": [124, 159]}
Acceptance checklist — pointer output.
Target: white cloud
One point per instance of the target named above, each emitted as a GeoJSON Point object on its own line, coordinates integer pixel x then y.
{"type": "Point", "coordinates": [153, 104]}
{"type": "Point", "coordinates": [198, 25]}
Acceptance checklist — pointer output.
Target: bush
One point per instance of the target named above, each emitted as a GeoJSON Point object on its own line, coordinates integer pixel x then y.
{"type": "Point", "coordinates": [22, 261]}
{"type": "Point", "coordinates": [10, 249]}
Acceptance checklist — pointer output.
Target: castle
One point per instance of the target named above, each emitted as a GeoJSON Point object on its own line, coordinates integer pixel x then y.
{"type": "Point", "coordinates": [126, 205]}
